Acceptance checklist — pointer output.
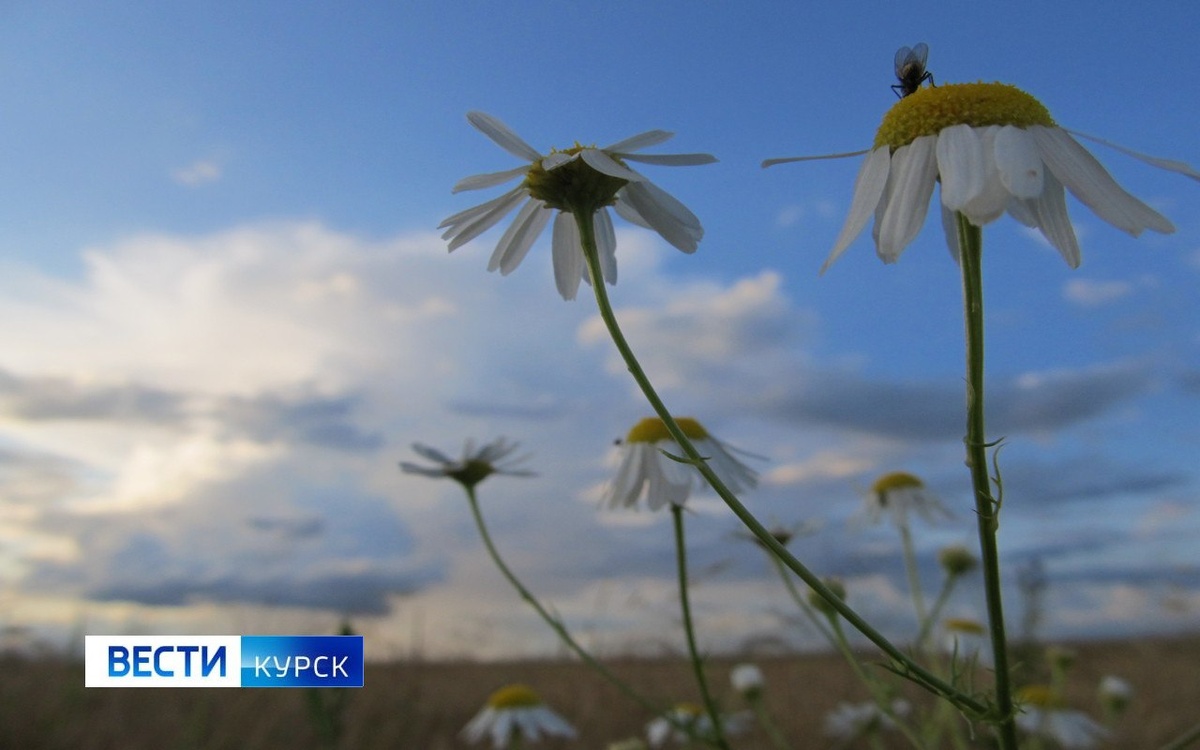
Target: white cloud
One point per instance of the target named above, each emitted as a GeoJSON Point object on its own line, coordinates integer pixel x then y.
{"type": "Point", "coordinates": [1094, 293]}
{"type": "Point", "coordinates": [200, 172]}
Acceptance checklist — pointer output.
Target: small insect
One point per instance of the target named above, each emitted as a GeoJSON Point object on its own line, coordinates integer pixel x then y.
{"type": "Point", "coordinates": [910, 69]}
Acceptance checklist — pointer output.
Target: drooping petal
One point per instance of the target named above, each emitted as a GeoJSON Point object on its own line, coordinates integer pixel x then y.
{"type": "Point", "coordinates": [1019, 162]}
{"type": "Point", "coordinates": [606, 245]}
{"type": "Point", "coordinates": [490, 179]}
{"type": "Point", "coordinates": [790, 159]}
{"type": "Point", "coordinates": [989, 204]}
{"type": "Point", "coordinates": [433, 454]}
{"type": "Point", "coordinates": [567, 253]}
{"type": "Point", "coordinates": [1170, 165]}
{"type": "Point", "coordinates": [557, 159]}
{"type": "Point", "coordinates": [912, 176]}
{"type": "Point", "coordinates": [868, 189]}
{"type": "Point", "coordinates": [503, 136]}
{"type": "Point", "coordinates": [950, 230]}
{"type": "Point", "coordinates": [639, 141]}
{"type": "Point", "coordinates": [1051, 210]}
{"type": "Point", "coordinates": [469, 224]}
{"type": "Point", "coordinates": [1091, 183]}
{"type": "Point", "coordinates": [669, 160]}
{"type": "Point", "coordinates": [519, 237]}
{"type": "Point", "coordinates": [605, 164]}
{"type": "Point", "coordinates": [630, 214]}
{"type": "Point", "coordinates": [961, 165]}
{"type": "Point", "coordinates": [666, 215]}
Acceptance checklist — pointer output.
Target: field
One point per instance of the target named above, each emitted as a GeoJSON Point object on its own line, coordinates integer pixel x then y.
{"type": "Point", "coordinates": [43, 704]}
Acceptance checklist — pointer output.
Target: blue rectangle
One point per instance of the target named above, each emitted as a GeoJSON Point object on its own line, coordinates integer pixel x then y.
{"type": "Point", "coordinates": [302, 661]}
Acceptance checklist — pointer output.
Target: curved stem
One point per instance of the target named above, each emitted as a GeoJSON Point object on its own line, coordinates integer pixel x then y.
{"type": "Point", "coordinates": [904, 665]}
{"type": "Point", "coordinates": [557, 626]}
{"type": "Point", "coordinates": [938, 603]}
{"type": "Point", "coordinates": [801, 602]}
{"type": "Point", "coordinates": [1184, 740]}
{"type": "Point", "coordinates": [689, 630]}
{"type": "Point", "coordinates": [987, 508]}
{"type": "Point", "coordinates": [914, 575]}
{"type": "Point", "coordinates": [878, 694]}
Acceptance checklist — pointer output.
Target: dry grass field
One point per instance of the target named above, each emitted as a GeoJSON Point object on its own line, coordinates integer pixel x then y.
{"type": "Point", "coordinates": [422, 706]}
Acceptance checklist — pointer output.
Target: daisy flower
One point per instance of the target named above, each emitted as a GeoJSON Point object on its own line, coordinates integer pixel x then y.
{"type": "Point", "coordinates": [644, 470]}
{"type": "Point", "coordinates": [852, 720]}
{"type": "Point", "coordinates": [1043, 714]}
{"type": "Point", "coordinates": [897, 494]}
{"type": "Point", "coordinates": [515, 712]}
{"type": "Point", "coordinates": [994, 149]}
{"type": "Point", "coordinates": [582, 180]}
{"type": "Point", "coordinates": [661, 730]}
{"type": "Point", "coordinates": [748, 680]}
{"type": "Point", "coordinates": [474, 466]}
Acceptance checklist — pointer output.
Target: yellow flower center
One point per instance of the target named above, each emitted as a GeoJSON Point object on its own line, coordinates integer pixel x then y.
{"type": "Point", "coordinates": [932, 109]}
{"type": "Point", "coordinates": [963, 625]}
{"type": "Point", "coordinates": [574, 186]}
{"type": "Point", "coordinates": [653, 430]}
{"type": "Point", "coordinates": [514, 696]}
{"type": "Point", "coordinates": [1041, 696]}
{"type": "Point", "coordinates": [897, 480]}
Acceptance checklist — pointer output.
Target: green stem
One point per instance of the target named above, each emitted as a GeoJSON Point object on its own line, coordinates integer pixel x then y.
{"type": "Point", "coordinates": [557, 626]}
{"type": "Point", "coordinates": [904, 665]}
{"type": "Point", "coordinates": [768, 724]}
{"type": "Point", "coordinates": [987, 509]}
{"type": "Point", "coordinates": [878, 693]}
{"type": "Point", "coordinates": [689, 630]}
{"type": "Point", "coordinates": [938, 603]}
{"type": "Point", "coordinates": [1184, 740]}
{"type": "Point", "coordinates": [914, 576]}
{"type": "Point", "coordinates": [801, 602]}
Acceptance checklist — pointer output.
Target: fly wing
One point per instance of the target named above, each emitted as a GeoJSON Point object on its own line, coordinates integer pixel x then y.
{"type": "Point", "coordinates": [921, 53]}
{"type": "Point", "coordinates": [904, 56]}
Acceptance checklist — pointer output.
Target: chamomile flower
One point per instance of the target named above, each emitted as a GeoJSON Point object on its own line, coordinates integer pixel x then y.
{"type": "Point", "coordinates": [896, 495]}
{"type": "Point", "coordinates": [850, 721]}
{"type": "Point", "coordinates": [747, 679]}
{"type": "Point", "coordinates": [579, 180]}
{"type": "Point", "coordinates": [661, 730]}
{"type": "Point", "coordinates": [1043, 714]}
{"type": "Point", "coordinates": [994, 149]}
{"type": "Point", "coordinates": [644, 471]}
{"type": "Point", "coordinates": [474, 466]}
{"type": "Point", "coordinates": [515, 712]}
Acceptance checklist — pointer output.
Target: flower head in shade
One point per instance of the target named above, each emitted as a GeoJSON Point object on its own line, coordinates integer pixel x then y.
{"type": "Point", "coordinates": [645, 471]}
{"type": "Point", "coordinates": [474, 466]}
{"type": "Point", "coordinates": [515, 711]}
{"type": "Point", "coordinates": [579, 180]}
{"type": "Point", "coordinates": [850, 721]}
{"type": "Point", "coordinates": [1114, 694]}
{"type": "Point", "coordinates": [748, 680]}
{"type": "Point", "coordinates": [897, 495]}
{"type": "Point", "coordinates": [994, 149]}
{"type": "Point", "coordinates": [1044, 714]}
{"type": "Point", "coordinates": [661, 730]}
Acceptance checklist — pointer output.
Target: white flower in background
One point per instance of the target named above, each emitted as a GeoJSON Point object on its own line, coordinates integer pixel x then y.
{"type": "Point", "coordinates": [748, 680]}
{"type": "Point", "coordinates": [645, 471]}
{"type": "Point", "coordinates": [580, 179]}
{"type": "Point", "coordinates": [515, 711]}
{"type": "Point", "coordinates": [1071, 729]}
{"type": "Point", "coordinates": [1114, 694]}
{"type": "Point", "coordinates": [852, 720]}
{"type": "Point", "coordinates": [473, 467]}
{"type": "Point", "coordinates": [661, 730]}
{"type": "Point", "coordinates": [897, 495]}
{"type": "Point", "coordinates": [994, 149]}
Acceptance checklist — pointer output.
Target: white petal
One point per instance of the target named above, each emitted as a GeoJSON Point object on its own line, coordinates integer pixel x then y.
{"type": "Point", "coordinates": [666, 215]}
{"type": "Point", "coordinates": [433, 454]}
{"type": "Point", "coordinates": [789, 159]}
{"type": "Point", "coordinates": [606, 245]}
{"type": "Point", "coordinates": [950, 229]}
{"type": "Point", "coordinates": [503, 136]}
{"type": "Point", "coordinates": [868, 188]}
{"type": "Point", "coordinates": [1170, 165]}
{"type": "Point", "coordinates": [1019, 162]}
{"type": "Point", "coordinates": [567, 254]}
{"type": "Point", "coordinates": [669, 160]}
{"type": "Point", "coordinates": [557, 159]}
{"type": "Point", "coordinates": [629, 213]}
{"type": "Point", "coordinates": [467, 225]}
{"type": "Point", "coordinates": [989, 204]}
{"type": "Point", "coordinates": [1088, 181]}
{"type": "Point", "coordinates": [912, 176]}
{"type": "Point", "coordinates": [490, 179]}
{"type": "Point", "coordinates": [640, 141]}
{"type": "Point", "coordinates": [961, 165]}
{"type": "Point", "coordinates": [1051, 208]}
{"type": "Point", "coordinates": [602, 162]}
{"type": "Point", "coordinates": [519, 237]}
{"type": "Point", "coordinates": [424, 471]}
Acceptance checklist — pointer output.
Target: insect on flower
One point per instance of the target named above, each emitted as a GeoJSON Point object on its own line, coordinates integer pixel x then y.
{"type": "Point", "coordinates": [910, 69]}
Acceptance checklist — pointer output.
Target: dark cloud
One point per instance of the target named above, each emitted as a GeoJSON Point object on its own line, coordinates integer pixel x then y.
{"type": "Point", "coordinates": [35, 478]}
{"type": "Point", "coordinates": [1091, 478]}
{"type": "Point", "coordinates": [54, 398]}
{"type": "Point", "coordinates": [323, 421]}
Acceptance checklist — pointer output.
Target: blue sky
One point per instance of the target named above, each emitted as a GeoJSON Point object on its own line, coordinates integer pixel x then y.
{"type": "Point", "coordinates": [225, 313]}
